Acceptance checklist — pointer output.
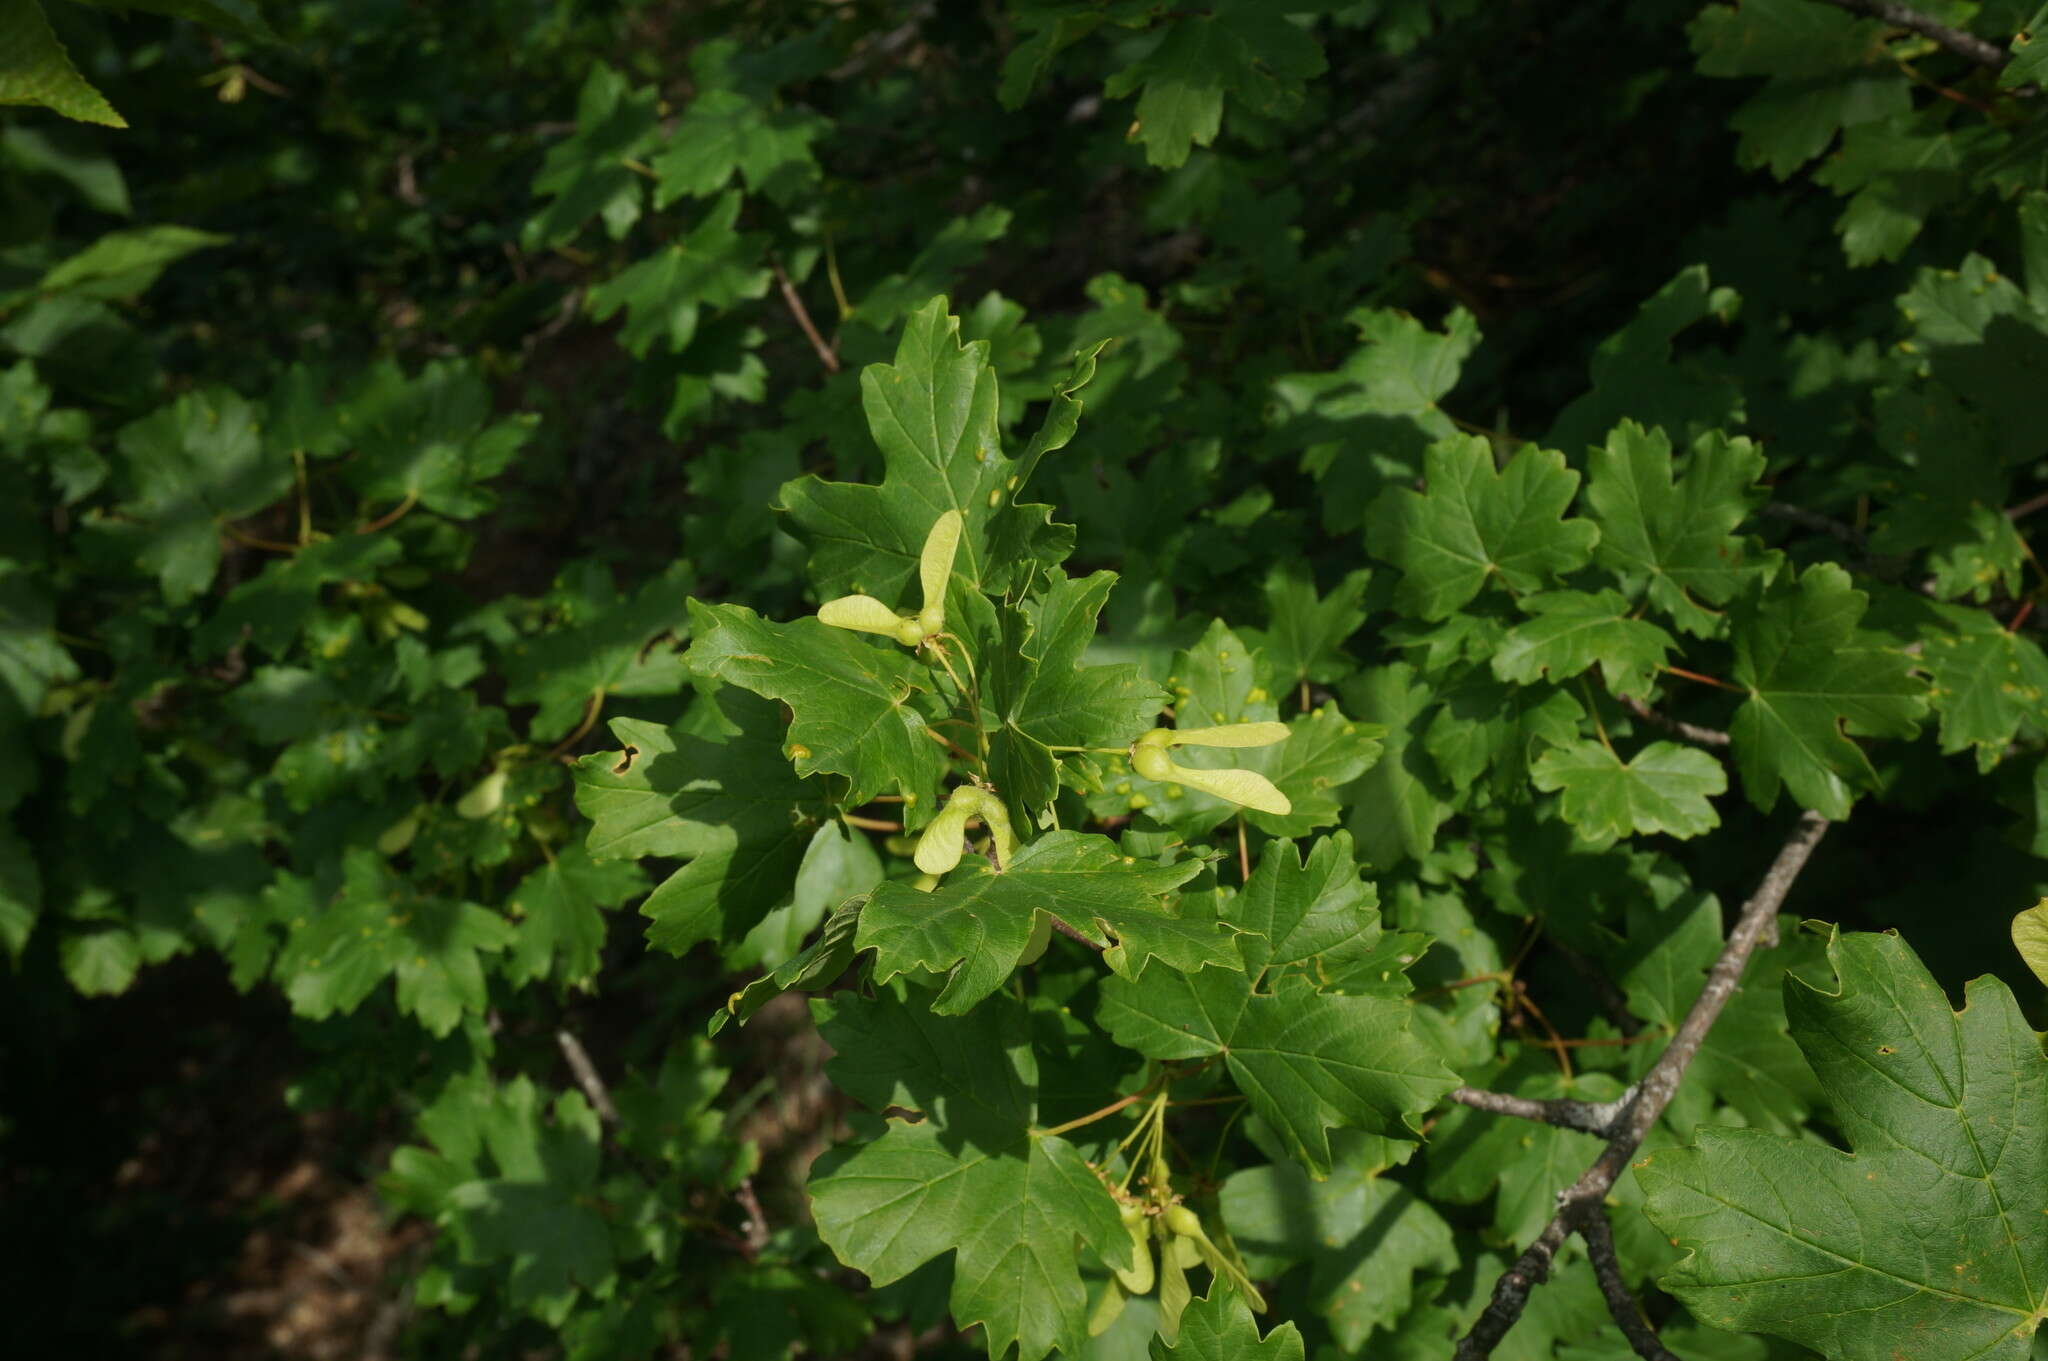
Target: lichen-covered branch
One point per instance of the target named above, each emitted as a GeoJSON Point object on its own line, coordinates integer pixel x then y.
{"type": "Point", "coordinates": [1587, 1117]}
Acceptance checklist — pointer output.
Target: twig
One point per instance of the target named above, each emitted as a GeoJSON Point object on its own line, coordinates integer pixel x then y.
{"type": "Point", "coordinates": [757, 1223]}
{"type": "Point", "coordinates": [1554, 1041]}
{"type": "Point", "coordinates": [1814, 520]}
{"type": "Point", "coordinates": [1628, 1314]}
{"type": "Point", "coordinates": [826, 354]}
{"type": "Point", "coordinates": [1955, 40]}
{"type": "Point", "coordinates": [885, 46]}
{"type": "Point", "coordinates": [1643, 1103]}
{"type": "Point", "coordinates": [1587, 1117]}
{"type": "Point", "coordinates": [587, 1078]}
{"type": "Point", "coordinates": [2027, 507]}
{"type": "Point", "coordinates": [1691, 732]}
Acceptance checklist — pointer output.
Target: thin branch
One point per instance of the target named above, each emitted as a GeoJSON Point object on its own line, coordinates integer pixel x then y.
{"type": "Point", "coordinates": [1643, 1103]}
{"type": "Point", "coordinates": [1955, 40]}
{"type": "Point", "coordinates": [1628, 1314]}
{"type": "Point", "coordinates": [1511, 1292]}
{"type": "Point", "coordinates": [757, 1223]}
{"type": "Point", "coordinates": [827, 356]}
{"type": "Point", "coordinates": [1691, 732]}
{"type": "Point", "coordinates": [1554, 1041]}
{"type": "Point", "coordinates": [1814, 520]}
{"type": "Point", "coordinates": [2027, 507]}
{"type": "Point", "coordinates": [587, 1077]}
{"type": "Point", "coordinates": [1587, 1117]}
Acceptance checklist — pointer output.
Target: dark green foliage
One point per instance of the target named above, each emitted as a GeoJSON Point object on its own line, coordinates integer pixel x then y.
{"type": "Point", "coordinates": [1550, 445]}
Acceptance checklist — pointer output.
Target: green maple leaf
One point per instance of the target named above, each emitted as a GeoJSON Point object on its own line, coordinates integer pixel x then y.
{"type": "Point", "coordinates": [1474, 525]}
{"type": "Point", "coordinates": [37, 70]}
{"type": "Point", "coordinates": [1673, 539]}
{"type": "Point", "coordinates": [1474, 1154]}
{"type": "Point", "coordinates": [849, 698]}
{"type": "Point", "coordinates": [1368, 422]}
{"type": "Point", "coordinates": [1486, 725]}
{"type": "Point", "coordinates": [1314, 913]}
{"type": "Point", "coordinates": [561, 918]}
{"type": "Point", "coordinates": [933, 414]}
{"type": "Point", "coordinates": [379, 926]}
{"type": "Point", "coordinates": [1828, 70]}
{"type": "Point", "coordinates": [2030, 938]}
{"type": "Point", "coordinates": [1306, 1060]}
{"type": "Point", "coordinates": [1304, 635]}
{"type": "Point", "coordinates": [1221, 1328]}
{"type": "Point", "coordinates": [1812, 677]}
{"type": "Point", "coordinates": [962, 243]}
{"type": "Point", "coordinates": [972, 930]}
{"type": "Point", "coordinates": [281, 602]}
{"type": "Point", "coordinates": [1024, 533]}
{"type": "Point", "coordinates": [586, 175]}
{"type": "Point", "coordinates": [815, 966]}
{"type": "Point", "coordinates": [1241, 49]}
{"type": "Point", "coordinates": [1895, 178]}
{"type": "Point", "coordinates": [1571, 630]}
{"type": "Point", "coordinates": [514, 1186]}
{"type": "Point", "coordinates": [2029, 64]}
{"type": "Point", "coordinates": [1987, 341]}
{"type": "Point", "coordinates": [32, 663]}
{"type": "Point", "coordinates": [1365, 1238]}
{"type": "Point", "coordinates": [1945, 1113]}
{"type": "Point", "coordinates": [194, 464]}
{"type": "Point", "coordinates": [724, 133]}
{"type": "Point", "coordinates": [663, 294]}
{"type": "Point", "coordinates": [430, 438]}
{"type": "Point", "coordinates": [959, 1167]}
{"type": "Point", "coordinates": [123, 264]}
{"type": "Point", "coordinates": [597, 642]}
{"type": "Point", "coordinates": [1395, 806]}
{"type": "Point", "coordinates": [733, 808]}
{"type": "Point", "coordinates": [21, 892]}
{"type": "Point", "coordinates": [1636, 372]}
{"type": "Point", "coordinates": [1662, 788]}
{"type": "Point", "coordinates": [1986, 682]}
{"type": "Point", "coordinates": [1950, 505]}
{"type": "Point", "coordinates": [1040, 695]}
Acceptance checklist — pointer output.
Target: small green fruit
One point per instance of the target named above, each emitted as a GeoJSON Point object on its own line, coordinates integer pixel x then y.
{"type": "Point", "coordinates": [485, 798]}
